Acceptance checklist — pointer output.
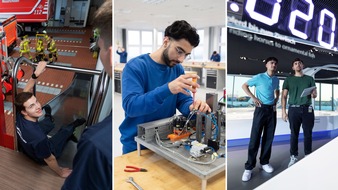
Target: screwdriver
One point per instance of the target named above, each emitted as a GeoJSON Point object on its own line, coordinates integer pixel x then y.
{"type": "Point", "coordinates": [194, 80]}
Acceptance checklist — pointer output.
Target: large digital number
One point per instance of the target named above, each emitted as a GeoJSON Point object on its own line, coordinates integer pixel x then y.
{"type": "Point", "coordinates": [270, 19]}
{"type": "Point", "coordinates": [328, 43]}
{"type": "Point", "coordinates": [268, 11]}
{"type": "Point", "coordinates": [300, 15]}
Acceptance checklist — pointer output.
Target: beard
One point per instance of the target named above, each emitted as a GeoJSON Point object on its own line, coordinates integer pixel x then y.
{"type": "Point", "coordinates": [166, 60]}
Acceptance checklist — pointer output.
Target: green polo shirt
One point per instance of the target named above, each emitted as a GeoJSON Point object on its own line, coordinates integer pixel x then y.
{"type": "Point", "coordinates": [295, 85]}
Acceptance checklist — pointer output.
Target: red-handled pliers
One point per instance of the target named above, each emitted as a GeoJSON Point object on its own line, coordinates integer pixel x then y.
{"type": "Point", "coordinates": [134, 169]}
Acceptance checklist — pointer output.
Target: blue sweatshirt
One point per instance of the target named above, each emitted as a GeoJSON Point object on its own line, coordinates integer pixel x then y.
{"type": "Point", "coordinates": [215, 58]}
{"type": "Point", "coordinates": [146, 96]}
{"type": "Point", "coordinates": [123, 56]}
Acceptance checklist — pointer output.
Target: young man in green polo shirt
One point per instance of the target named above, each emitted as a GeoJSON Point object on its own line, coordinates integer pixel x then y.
{"type": "Point", "coordinates": [300, 111]}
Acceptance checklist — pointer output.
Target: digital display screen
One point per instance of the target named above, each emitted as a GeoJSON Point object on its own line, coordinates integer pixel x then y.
{"type": "Point", "coordinates": [311, 22]}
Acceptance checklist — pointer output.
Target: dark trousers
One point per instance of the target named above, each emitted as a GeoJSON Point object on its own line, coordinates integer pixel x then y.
{"type": "Point", "coordinates": [264, 121]}
{"type": "Point", "coordinates": [58, 141]}
{"type": "Point", "coordinates": [298, 116]}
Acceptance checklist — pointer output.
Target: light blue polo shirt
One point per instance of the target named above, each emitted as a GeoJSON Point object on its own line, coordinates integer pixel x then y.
{"type": "Point", "coordinates": [265, 87]}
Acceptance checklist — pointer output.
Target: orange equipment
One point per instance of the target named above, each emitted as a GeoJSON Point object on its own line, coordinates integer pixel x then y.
{"type": "Point", "coordinates": [178, 135]}
{"type": "Point", "coordinates": [6, 67]}
{"type": "Point", "coordinates": [8, 26]}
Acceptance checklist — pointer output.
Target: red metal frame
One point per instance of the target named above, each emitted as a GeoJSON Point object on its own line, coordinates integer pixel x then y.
{"type": "Point", "coordinates": [5, 139]}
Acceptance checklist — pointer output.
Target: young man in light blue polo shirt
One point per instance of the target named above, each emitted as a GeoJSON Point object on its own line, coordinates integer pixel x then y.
{"type": "Point", "coordinates": [264, 120]}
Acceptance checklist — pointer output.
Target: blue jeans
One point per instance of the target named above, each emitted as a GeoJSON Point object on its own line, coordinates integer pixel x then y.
{"type": "Point", "coordinates": [58, 141]}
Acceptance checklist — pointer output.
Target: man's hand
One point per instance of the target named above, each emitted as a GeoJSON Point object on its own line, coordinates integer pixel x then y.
{"type": "Point", "coordinates": [38, 70]}
{"type": "Point", "coordinates": [314, 93]}
{"type": "Point", "coordinates": [200, 106]}
{"type": "Point", "coordinates": [183, 83]}
{"type": "Point", "coordinates": [65, 172]}
{"type": "Point", "coordinates": [257, 102]}
{"type": "Point", "coordinates": [285, 116]}
{"type": "Point", "coordinates": [53, 164]}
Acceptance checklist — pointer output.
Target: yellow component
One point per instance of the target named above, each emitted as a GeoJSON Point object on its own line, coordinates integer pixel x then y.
{"type": "Point", "coordinates": [194, 80]}
{"type": "Point", "coordinates": [95, 54]}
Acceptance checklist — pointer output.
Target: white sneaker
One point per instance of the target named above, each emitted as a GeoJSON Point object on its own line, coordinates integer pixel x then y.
{"type": "Point", "coordinates": [267, 168]}
{"type": "Point", "coordinates": [293, 160]}
{"type": "Point", "coordinates": [246, 175]}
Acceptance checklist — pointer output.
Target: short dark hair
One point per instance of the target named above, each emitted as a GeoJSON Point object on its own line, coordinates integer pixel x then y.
{"type": "Point", "coordinates": [103, 21]}
{"type": "Point", "coordinates": [181, 29]}
{"type": "Point", "coordinates": [270, 59]}
{"type": "Point", "coordinates": [297, 59]}
{"type": "Point", "coordinates": [20, 99]}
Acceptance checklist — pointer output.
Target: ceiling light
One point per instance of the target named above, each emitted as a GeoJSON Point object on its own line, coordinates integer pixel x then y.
{"type": "Point", "coordinates": [234, 7]}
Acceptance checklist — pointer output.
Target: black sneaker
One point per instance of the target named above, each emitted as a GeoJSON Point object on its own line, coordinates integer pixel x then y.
{"type": "Point", "coordinates": [48, 111]}
{"type": "Point", "coordinates": [73, 138]}
{"type": "Point", "coordinates": [78, 122]}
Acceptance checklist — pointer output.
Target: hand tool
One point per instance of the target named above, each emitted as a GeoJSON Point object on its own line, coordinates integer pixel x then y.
{"type": "Point", "coordinates": [194, 80]}
{"type": "Point", "coordinates": [134, 169]}
{"type": "Point", "coordinates": [131, 180]}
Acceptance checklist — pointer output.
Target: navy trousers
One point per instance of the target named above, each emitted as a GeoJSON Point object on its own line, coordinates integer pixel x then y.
{"type": "Point", "coordinates": [264, 121]}
{"type": "Point", "coordinates": [305, 117]}
{"type": "Point", "coordinates": [58, 141]}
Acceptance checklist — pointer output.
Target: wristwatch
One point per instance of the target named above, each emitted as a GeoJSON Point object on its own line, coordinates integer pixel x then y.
{"type": "Point", "coordinates": [34, 76]}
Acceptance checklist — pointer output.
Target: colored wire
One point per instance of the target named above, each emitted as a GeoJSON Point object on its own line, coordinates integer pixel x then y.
{"type": "Point", "coordinates": [160, 143]}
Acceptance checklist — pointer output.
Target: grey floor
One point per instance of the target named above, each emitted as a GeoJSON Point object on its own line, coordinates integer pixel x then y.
{"type": "Point", "coordinates": [279, 160]}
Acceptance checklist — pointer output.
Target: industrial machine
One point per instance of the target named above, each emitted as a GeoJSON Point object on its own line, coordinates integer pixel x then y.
{"type": "Point", "coordinates": [196, 142]}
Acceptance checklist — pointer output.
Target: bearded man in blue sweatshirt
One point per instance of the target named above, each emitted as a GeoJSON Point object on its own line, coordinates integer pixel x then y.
{"type": "Point", "coordinates": [154, 85]}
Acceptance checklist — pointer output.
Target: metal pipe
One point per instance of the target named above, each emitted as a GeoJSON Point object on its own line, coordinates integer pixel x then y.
{"type": "Point", "coordinates": [99, 94]}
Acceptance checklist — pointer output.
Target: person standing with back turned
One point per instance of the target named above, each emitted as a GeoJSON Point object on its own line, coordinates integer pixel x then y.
{"type": "Point", "coordinates": [264, 120]}
{"type": "Point", "coordinates": [92, 165]}
{"type": "Point", "coordinates": [300, 109]}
